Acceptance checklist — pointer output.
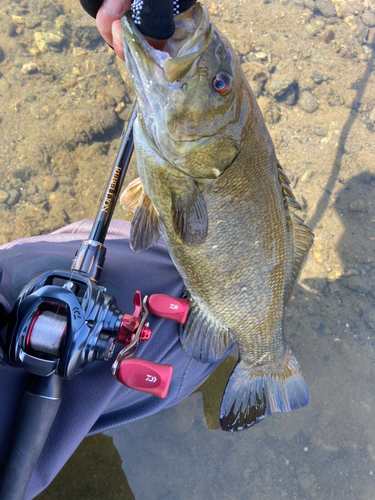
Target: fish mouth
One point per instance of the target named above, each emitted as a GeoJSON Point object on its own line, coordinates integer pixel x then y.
{"type": "Point", "coordinates": [192, 36]}
{"type": "Point", "coordinates": [157, 73]}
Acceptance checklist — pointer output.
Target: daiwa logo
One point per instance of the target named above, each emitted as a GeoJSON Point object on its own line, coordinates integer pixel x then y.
{"type": "Point", "coordinates": [173, 306]}
{"type": "Point", "coordinates": [151, 378]}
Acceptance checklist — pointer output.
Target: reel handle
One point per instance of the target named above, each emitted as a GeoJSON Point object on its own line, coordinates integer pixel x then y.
{"type": "Point", "coordinates": [145, 376]}
{"type": "Point", "coordinates": [168, 307]}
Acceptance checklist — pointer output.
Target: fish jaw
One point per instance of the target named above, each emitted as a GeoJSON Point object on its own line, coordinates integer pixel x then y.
{"type": "Point", "coordinates": [161, 69]}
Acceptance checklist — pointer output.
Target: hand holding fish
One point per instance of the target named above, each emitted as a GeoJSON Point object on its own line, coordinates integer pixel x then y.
{"type": "Point", "coordinates": [154, 19]}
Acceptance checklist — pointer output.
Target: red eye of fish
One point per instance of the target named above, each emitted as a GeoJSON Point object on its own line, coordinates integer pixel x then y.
{"type": "Point", "coordinates": [221, 83]}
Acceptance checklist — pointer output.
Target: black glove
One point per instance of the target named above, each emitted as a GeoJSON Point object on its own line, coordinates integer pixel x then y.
{"type": "Point", "coordinates": [153, 18]}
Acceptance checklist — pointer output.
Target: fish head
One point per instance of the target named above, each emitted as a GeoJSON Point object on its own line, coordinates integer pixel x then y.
{"type": "Point", "coordinates": [191, 96]}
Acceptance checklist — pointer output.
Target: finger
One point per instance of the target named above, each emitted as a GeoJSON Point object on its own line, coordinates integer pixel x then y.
{"type": "Point", "coordinates": [107, 14]}
{"type": "Point", "coordinates": [117, 41]}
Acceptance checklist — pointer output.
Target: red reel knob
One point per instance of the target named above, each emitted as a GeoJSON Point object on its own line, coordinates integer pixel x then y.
{"type": "Point", "coordinates": [145, 376]}
{"type": "Point", "coordinates": [167, 307]}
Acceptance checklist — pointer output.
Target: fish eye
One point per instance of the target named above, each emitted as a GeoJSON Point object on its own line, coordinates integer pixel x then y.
{"type": "Point", "coordinates": [221, 83]}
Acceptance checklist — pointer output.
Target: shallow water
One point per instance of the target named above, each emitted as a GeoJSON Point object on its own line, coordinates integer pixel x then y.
{"type": "Point", "coordinates": [62, 106]}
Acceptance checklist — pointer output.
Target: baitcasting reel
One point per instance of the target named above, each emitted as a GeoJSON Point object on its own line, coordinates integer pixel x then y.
{"type": "Point", "coordinates": [59, 329]}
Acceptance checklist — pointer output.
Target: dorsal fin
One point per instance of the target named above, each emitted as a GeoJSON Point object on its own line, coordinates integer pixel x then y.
{"type": "Point", "coordinates": [303, 237]}
{"type": "Point", "coordinates": [130, 197]}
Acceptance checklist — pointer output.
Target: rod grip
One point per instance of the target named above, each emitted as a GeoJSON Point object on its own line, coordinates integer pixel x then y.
{"type": "Point", "coordinates": [35, 418]}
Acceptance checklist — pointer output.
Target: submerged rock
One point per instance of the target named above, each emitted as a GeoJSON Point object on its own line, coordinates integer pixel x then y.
{"type": "Point", "coordinates": [307, 102]}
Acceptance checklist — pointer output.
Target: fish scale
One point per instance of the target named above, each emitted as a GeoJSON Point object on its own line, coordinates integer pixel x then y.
{"type": "Point", "coordinates": [225, 208]}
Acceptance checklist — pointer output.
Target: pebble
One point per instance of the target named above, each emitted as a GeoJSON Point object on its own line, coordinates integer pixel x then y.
{"type": "Point", "coordinates": [29, 68]}
{"type": "Point", "coordinates": [363, 35]}
{"type": "Point", "coordinates": [22, 173]}
{"type": "Point", "coordinates": [306, 176]}
{"type": "Point", "coordinates": [358, 205]}
{"type": "Point", "coordinates": [359, 284]}
{"type": "Point", "coordinates": [278, 86]}
{"type": "Point", "coordinates": [14, 196]}
{"type": "Point", "coordinates": [305, 54]}
{"type": "Point", "coordinates": [3, 196]}
{"type": "Point", "coordinates": [318, 131]}
{"type": "Point", "coordinates": [65, 180]}
{"type": "Point", "coordinates": [2, 55]}
{"type": "Point", "coordinates": [368, 19]}
{"type": "Point", "coordinates": [49, 183]}
{"type": "Point", "coordinates": [307, 102]}
{"type": "Point", "coordinates": [54, 38]}
{"type": "Point", "coordinates": [41, 42]}
{"type": "Point", "coordinates": [317, 77]}
{"type": "Point", "coordinates": [289, 96]}
{"type": "Point", "coordinates": [326, 8]}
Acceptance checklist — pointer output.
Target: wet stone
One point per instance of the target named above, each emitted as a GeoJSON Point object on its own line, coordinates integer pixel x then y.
{"type": "Point", "coordinates": [22, 173]}
{"type": "Point", "coordinates": [307, 176]}
{"type": "Point", "coordinates": [317, 77]}
{"type": "Point", "coordinates": [278, 87]}
{"type": "Point", "coordinates": [368, 19]}
{"type": "Point", "coordinates": [305, 54]}
{"type": "Point", "coordinates": [65, 180]}
{"type": "Point", "coordinates": [289, 96]}
{"type": "Point", "coordinates": [14, 196]}
{"type": "Point", "coordinates": [326, 8]}
{"type": "Point", "coordinates": [307, 102]}
{"type": "Point", "coordinates": [359, 284]}
{"type": "Point", "coordinates": [86, 36]}
{"type": "Point", "coordinates": [358, 205]}
{"type": "Point", "coordinates": [49, 183]}
{"type": "Point", "coordinates": [3, 196]}
{"type": "Point", "coordinates": [363, 35]}
{"type": "Point", "coordinates": [319, 132]}
{"type": "Point", "coordinates": [2, 55]}
{"type": "Point", "coordinates": [310, 4]}
{"type": "Point", "coordinates": [29, 68]}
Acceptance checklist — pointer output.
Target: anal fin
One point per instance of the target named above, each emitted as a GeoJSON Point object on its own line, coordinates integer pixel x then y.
{"type": "Point", "coordinates": [146, 228]}
{"type": "Point", "coordinates": [203, 337]}
{"type": "Point", "coordinates": [251, 396]}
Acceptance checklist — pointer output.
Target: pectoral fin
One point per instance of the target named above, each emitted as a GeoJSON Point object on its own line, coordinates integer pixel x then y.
{"type": "Point", "coordinates": [146, 228]}
{"type": "Point", "coordinates": [190, 215]}
{"type": "Point", "coordinates": [130, 197]}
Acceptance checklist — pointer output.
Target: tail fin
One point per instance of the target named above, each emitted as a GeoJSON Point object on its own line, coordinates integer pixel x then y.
{"type": "Point", "coordinates": [248, 398]}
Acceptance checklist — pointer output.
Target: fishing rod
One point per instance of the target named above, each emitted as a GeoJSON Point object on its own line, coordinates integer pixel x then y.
{"type": "Point", "coordinates": [63, 320]}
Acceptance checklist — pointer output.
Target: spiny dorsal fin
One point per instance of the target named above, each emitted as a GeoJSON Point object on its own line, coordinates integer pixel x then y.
{"type": "Point", "coordinates": [203, 337]}
{"type": "Point", "coordinates": [303, 237]}
{"type": "Point", "coordinates": [190, 216]}
{"type": "Point", "coordinates": [146, 228]}
{"type": "Point", "coordinates": [130, 197]}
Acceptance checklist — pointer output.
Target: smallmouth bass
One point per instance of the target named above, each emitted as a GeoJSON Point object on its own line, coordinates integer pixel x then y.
{"type": "Point", "coordinates": [210, 183]}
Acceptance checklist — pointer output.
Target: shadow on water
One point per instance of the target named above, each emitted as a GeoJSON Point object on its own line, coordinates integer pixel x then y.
{"type": "Point", "coordinates": [324, 200]}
